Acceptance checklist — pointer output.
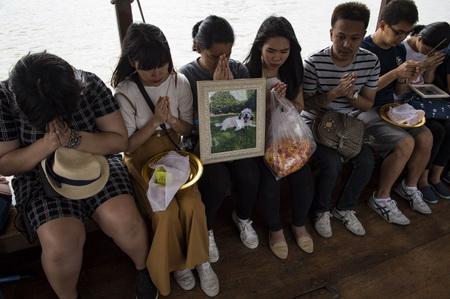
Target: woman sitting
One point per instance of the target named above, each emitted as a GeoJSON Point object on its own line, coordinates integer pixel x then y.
{"type": "Point", "coordinates": [424, 39]}
{"type": "Point", "coordinates": [46, 108]}
{"type": "Point", "coordinates": [180, 240]}
{"type": "Point", "coordinates": [213, 40]}
{"type": "Point", "coordinates": [275, 55]}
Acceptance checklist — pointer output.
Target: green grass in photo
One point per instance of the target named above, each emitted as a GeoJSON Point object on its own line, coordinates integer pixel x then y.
{"type": "Point", "coordinates": [230, 140]}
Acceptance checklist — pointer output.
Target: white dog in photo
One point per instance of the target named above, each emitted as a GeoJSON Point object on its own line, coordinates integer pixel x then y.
{"type": "Point", "coordinates": [238, 122]}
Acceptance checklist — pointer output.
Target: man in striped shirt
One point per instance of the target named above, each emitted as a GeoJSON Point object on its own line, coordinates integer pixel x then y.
{"type": "Point", "coordinates": [344, 78]}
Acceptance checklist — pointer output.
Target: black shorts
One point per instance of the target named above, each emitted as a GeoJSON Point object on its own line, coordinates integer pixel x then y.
{"type": "Point", "coordinates": [36, 208]}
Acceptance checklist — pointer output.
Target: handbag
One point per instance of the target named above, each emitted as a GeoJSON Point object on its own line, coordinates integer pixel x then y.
{"type": "Point", "coordinates": [341, 132]}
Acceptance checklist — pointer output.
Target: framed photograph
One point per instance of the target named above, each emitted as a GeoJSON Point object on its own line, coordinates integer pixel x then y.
{"type": "Point", "coordinates": [429, 91]}
{"type": "Point", "coordinates": [232, 119]}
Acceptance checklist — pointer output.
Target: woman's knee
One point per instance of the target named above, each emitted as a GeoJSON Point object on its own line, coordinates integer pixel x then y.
{"type": "Point", "coordinates": [62, 238]}
{"type": "Point", "coordinates": [438, 131]}
{"type": "Point", "coordinates": [214, 186]}
{"type": "Point", "coordinates": [191, 203]}
{"type": "Point", "coordinates": [246, 171]}
{"type": "Point", "coordinates": [169, 215]}
{"type": "Point", "coordinates": [120, 216]}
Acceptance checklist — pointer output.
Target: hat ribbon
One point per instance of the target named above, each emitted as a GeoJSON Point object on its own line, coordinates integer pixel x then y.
{"type": "Point", "coordinates": [58, 180]}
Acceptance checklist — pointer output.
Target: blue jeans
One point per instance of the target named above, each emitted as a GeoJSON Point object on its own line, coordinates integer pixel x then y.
{"type": "Point", "coordinates": [330, 162]}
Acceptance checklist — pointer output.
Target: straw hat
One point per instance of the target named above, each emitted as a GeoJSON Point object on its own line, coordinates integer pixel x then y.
{"type": "Point", "coordinates": [74, 174]}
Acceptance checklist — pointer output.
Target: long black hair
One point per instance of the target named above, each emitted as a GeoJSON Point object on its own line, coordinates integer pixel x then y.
{"type": "Point", "coordinates": [291, 72]}
{"type": "Point", "coordinates": [211, 30]}
{"type": "Point", "coordinates": [146, 45]}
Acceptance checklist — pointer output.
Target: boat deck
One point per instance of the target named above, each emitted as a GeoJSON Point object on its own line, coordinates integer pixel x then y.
{"type": "Point", "coordinates": [389, 262]}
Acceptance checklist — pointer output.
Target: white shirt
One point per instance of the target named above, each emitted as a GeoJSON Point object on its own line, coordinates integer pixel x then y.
{"type": "Point", "coordinates": [411, 54]}
{"type": "Point", "coordinates": [135, 110]}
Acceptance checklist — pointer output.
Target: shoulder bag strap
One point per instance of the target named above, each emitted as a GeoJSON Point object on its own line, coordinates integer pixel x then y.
{"type": "Point", "coordinates": [147, 98]}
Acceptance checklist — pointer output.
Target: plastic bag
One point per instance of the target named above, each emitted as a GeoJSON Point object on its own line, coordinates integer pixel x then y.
{"type": "Point", "coordinates": [405, 114]}
{"type": "Point", "coordinates": [177, 170]}
{"type": "Point", "coordinates": [289, 140]}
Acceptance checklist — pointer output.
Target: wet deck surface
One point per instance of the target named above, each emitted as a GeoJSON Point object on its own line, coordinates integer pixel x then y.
{"type": "Point", "coordinates": [389, 262]}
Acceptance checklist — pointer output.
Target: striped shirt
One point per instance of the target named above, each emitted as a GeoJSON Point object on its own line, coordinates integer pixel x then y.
{"type": "Point", "coordinates": [322, 75]}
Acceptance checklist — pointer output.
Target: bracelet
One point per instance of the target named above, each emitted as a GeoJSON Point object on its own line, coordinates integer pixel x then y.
{"type": "Point", "coordinates": [354, 97]}
{"type": "Point", "coordinates": [74, 139]}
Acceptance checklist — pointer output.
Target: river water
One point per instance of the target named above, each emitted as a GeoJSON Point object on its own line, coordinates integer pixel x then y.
{"type": "Point", "coordinates": [84, 32]}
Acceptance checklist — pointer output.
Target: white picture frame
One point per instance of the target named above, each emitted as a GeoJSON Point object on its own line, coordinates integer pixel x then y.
{"type": "Point", "coordinates": [429, 91]}
{"type": "Point", "coordinates": [232, 119]}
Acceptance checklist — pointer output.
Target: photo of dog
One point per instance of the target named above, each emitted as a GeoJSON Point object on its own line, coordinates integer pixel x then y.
{"type": "Point", "coordinates": [233, 119]}
{"type": "Point", "coordinates": [244, 119]}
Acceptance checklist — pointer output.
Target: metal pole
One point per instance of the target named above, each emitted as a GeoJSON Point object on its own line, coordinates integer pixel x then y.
{"type": "Point", "coordinates": [124, 16]}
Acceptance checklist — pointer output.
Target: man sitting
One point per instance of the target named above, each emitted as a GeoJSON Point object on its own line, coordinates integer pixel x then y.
{"type": "Point", "coordinates": [399, 147]}
{"type": "Point", "coordinates": [343, 78]}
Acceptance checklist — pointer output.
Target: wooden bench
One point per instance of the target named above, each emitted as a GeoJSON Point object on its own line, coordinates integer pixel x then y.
{"type": "Point", "coordinates": [12, 240]}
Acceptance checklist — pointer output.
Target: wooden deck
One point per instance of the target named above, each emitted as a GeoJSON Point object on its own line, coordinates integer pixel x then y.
{"type": "Point", "coordinates": [389, 262]}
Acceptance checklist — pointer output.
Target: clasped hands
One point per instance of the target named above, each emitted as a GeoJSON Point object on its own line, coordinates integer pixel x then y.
{"type": "Point", "coordinates": [162, 112]}
{"type": "Point", "coordinates": [57, 134]}
{"type": "Point", "coordinates": [410, 70]}
{"type": "Point", "coordinates": [433, 61]}
{"type": "Point", "coordinates": [346, 87]}
{"type": "Point", "coordinates": [223, 71]}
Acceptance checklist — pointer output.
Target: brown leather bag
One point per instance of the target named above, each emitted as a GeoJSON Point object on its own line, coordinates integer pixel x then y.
{"type": "Point", "coordinates": [341, 132]}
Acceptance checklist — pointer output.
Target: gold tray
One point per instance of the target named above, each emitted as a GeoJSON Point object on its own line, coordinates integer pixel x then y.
{"type": "Point", "coordinates": [383, 114]}
{"type": "Point", "coordinates": [194, 163]}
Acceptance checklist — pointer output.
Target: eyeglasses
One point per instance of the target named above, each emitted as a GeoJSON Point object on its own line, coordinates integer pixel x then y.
{"type": "Point", "coordinates": [399, 33]}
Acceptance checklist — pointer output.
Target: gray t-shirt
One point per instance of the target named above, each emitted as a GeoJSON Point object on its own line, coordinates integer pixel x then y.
{"type": "Point", "coordinates": [194, 72]}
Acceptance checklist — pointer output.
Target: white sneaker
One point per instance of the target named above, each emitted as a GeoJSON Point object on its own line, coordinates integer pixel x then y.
{"type": "Point", "coordinates": [247, 233]}
{"type": "Point", "coordinates": [388, 210]}
{"type": "Point", "coordinates": [322, 224]}
{"type": "Point", "coordinates": [208, 279]}
{"type": "Point", "coordinates": [213, 250]}
{"type": "Point", "coordinates": [350, 221]}
{"type": "Point", "coordinates": [185, 279]}
{"type": "Point", "coordinates": [415, 199]}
